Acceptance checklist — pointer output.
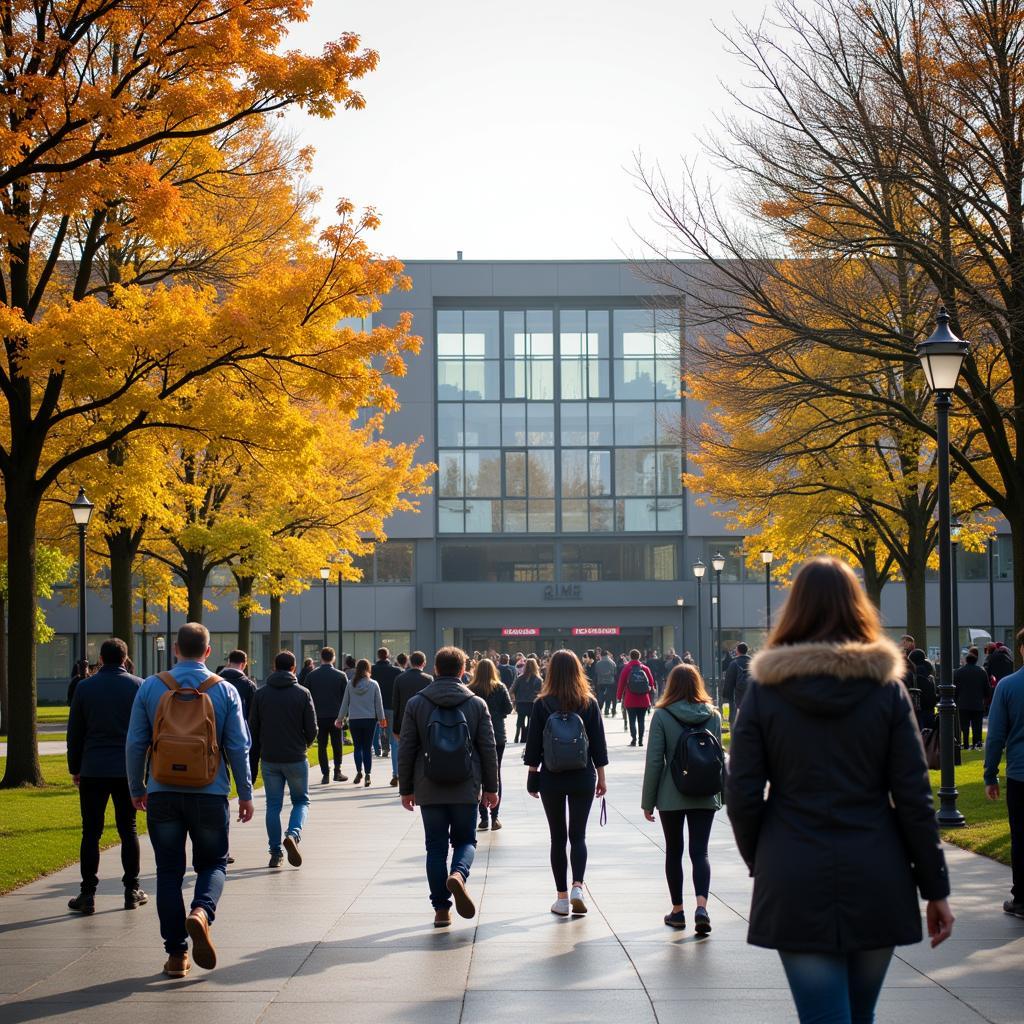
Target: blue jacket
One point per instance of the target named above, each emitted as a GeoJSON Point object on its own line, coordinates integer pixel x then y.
{"type": "Point", "coordinates": [98, 723]}
{"type": "Point", "coordinates": [231, 730]}
{"type": "Point", "coordinates": [1006, 729]}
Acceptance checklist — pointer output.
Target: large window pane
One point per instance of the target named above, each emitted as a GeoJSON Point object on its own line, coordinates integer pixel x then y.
{"type": "Point", "coordinates": [601, 428]}
{"type": "Point", "coordinates": [600, 473]}
{"type": "Point", "coordinates": [635, 471]}
{"type": "Point", "coordinates": [664, 561]}
{"type": "Point", "coordinates": [449, 423]}
{"type": "Point", "coordinates": [619, 560]}
{"type": "Point", "coordinates": [482, 383]}
{"type": "Point", "coordinates": [497, 562]}
{"type": "Point", "coordinates": [515, 474]}
{"type": "Point", "coordinates": [574, 473]}
{"type": "Point", "coordinates": [515, 517]}
{"type": "Point", "coordinates": [450, 474]}
{"type": "Point", "coordinates": [451, 516]}
{"type": "Point", "coordinates": [483, 425]}
{"type": "Point", "coordinates": [540, 421]}
{"type": "Point", "coordinates": [541, 516]}
{"type": "Point", "coordinates": [634, 379]}
{"type": "Point", "coordinates": [513, 424]}
{"type": "Point", "coordinates": [634, 333]}
{"type": "Point", "coordinates": [636, 515]}
{"type": "Point", "coordinates": [449, 333]}
{"type": "Point", "coordinates": [731, 552]}
{"type": "Point", "coordinates": [574, 378]}
{"type": "Point", "coordinates": [670, 515]}
{"type": "Point", "coordinates": [670, 471]}
{"type": "Point", "coordinates": [669, 418]}
{"type": "Point", "coordinates": [634, 423]}
{"type": "Point", "coordinates": [449, 380]}
{"type": "Point", "coordinates": [574, 423]}
{"type": "Point", "coordinates": [483, 474]}
{"type": "Point", "coordinates": [575, 516]}
{"type": "Point", "coordinates": [481, 334]}
{"type": "Point", "coordinates": [483, 517]}
{"type": "Point", "coordinates": [602, 516]}
{"type": "Point", "coordinates": [667, 379]}
{"type": "Point", "coordinates": [541, 473]}
{"type": "Point", "coordinates": [395, 562]}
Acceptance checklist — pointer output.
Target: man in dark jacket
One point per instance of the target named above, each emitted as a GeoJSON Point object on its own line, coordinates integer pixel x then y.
{"type": "Point", "coordinates": [407, 685]}
{"type": "Point", "coordinates": [927, 697]}
{"type": "Point", "coordinates": [998, 664]}
{"type": "Point", "coordinates": [506, 672]}
{"type": "Point", "coordinates": [97, 730]}
{"type": "Point", "coordinates": [385, 674]}
{"type": "Point", "coordinates": [235, 674]}
{"type": "Point", "coordinates": [737, 677]}
{"type": "Point", "coordinates": [448, 808]}
{"type": "Point", "coordinates": [327, 685]}
{"type": "Point", "coordinates": [283, 723]}
{"type": "Point", "coordinates": [971, 682]}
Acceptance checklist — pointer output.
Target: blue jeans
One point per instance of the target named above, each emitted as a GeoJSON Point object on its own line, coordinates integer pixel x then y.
{"type": "Point", "coordinates": [388, 739]}
{"type": "Point", "coordinates": [171, 818]}
{"type": "Point", "coordinates": [275, 775]}
{"type": "Point", "coordinates": [836, 988]}
{"type": "Point", "coordinates": [362, 730]}
{"type": "Point", "coordinates": [447, 825]}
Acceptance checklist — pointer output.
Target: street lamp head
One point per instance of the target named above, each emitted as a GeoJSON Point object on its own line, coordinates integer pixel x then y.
{"type": "Point", "coordinates": [767, 557]}
{"type": "Point", "coordinates": [699, 568]}
{"type": "Point", "coordinates": [954, 531]}
{"type": "Point", "coordinates": [942, 355]}
{"type": "Point", "coordinates": [718, 562]}
{"type": "Point", "coordinates": [81, 508]}
{"type": "Point", "coordinates": [680, 602]}
{"type": "Point", "coordinates": [325, 574]}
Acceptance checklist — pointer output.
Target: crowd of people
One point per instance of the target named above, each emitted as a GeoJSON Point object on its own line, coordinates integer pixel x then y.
{"type": "Point", "coordinates": [826, 782]}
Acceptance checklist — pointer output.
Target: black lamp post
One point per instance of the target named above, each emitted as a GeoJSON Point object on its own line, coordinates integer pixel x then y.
{"type": "Point", "coordinates": [991, 591]}
{"type": "Point", "coordinates": [954, 542]}
{"type": "Point", "coordinates": [325, 575]}
{"type": "Point", "coordinates": [81, 509]}
{"type": "Point", "coordinates": [681, 605]}
{"type": "Point", "coordinates": [699, 568]}
{"type": "Point", "coordinates": [718, 564]}
{"type": "Point", "coordinates": [766, 560]}
{"type": "Point", "coordinates": [169, 644]}
{"type": "Point", "coordinates": [341, 642]}
{"type": "Point", "coordinates": [145, 654]}
{"type": "Point", "coordinates": [942, 355]}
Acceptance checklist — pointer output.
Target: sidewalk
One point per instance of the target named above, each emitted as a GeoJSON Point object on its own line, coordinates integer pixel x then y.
{"type": "Point", "coordinates": [353, 926]}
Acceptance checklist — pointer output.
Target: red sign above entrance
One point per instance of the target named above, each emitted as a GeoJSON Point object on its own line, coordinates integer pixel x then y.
{"type": "Point", "coordinates": [595, 631]}
{"type": "Point", "coordinates": [520, 631]}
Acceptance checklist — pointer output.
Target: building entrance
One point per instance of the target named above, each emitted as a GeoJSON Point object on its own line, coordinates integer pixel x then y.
{"type": "Point", "coordinates": [553, 639]}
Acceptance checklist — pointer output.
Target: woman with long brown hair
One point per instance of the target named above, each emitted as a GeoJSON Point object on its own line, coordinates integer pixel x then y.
{"type": "Point", "coordinates": [683, 709]}
{"type": "Point", "coordinates": [488, 685]}
{"type": "Point", "coordinates": [525, 691]}
{"type": "Point", "coordinates": [847, 831]}
{"type": "Point", "coordinates": [363, 709]}
{"type": "Point", "coordinates": [566, 753]}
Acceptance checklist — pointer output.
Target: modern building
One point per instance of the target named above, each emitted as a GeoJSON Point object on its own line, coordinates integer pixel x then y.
{"type": "Point", "coordinates": [547, 394]}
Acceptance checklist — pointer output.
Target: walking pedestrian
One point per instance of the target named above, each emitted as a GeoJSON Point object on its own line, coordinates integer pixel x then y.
{"type": "Point", "coordinates": [971, 682]}
{"type": "Point", "coordinates": [362, 709]}
{"type": "Point", "coordinates": [737, 678]}
{"type": "Point", "coordinates": [679, 754]}
{"type": "Point", "coordinates": [506, 671]}
{"type": "Point", "coordinates": [283, 724]}
{"type": "Point", "coordinates": [495, 695]}
{"type": "Point", "coordinates": [924, 678]}
{"type": "Point", "coordinates": [235, 674]}
{"type": "Point", "coordinates": [606, 675]}
{"type": "Point", "coordinates": [566, 753]}
{"type": "Point", "coordinates": [446, 760]}
{"type": "Point", "coordinates": [1006, 732]}
{"type": "Point", "coordinates": [186, 794]}
{"type": "Point", "coordinates": [827, 730]}
{"type": "Point", "coordinates": [80, 672]}
{"type": "Point", "coordinates": [998, 665]}
{"type": "Point", "coordinates": [327, 685]}
{"type": "Point", "coordinates": [97, 733]}
{"type": "Point", "coordinates": [307, 667]}
{"type": "Point", "coordinates": [407, 685]}
{"type": "Point", "coordinates": [525, 691]}
{"type": "Point", "coordinates": [385, 674]}
{"type": "Point", "coordinates": [635, 689]}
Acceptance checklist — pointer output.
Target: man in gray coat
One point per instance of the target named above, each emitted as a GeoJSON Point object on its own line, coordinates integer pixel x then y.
{"type": "Point", "coordinates": [446, 755]}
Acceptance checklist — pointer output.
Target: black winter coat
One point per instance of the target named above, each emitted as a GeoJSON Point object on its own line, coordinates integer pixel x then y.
{"type": "Point", "coordinates": [971, 682]}
{"type": "Point", "coordinates": [847, 831]}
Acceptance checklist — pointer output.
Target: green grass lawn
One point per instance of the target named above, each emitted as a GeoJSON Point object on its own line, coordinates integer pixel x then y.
{"type": "Point", "coordinates": [40, 829]}
{"type": "Point", "coordinates": [56, 713]}
{"type": "Point", "coordinates": [987, 831]}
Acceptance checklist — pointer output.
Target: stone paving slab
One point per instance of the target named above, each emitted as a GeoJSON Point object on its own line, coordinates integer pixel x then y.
{"type": "Point", "coordinates": [350, 934]}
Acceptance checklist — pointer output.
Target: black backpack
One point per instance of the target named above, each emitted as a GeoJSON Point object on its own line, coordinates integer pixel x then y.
{"type": "Point", "coordinates": [697, 762]}
{"type": "Point", "coordinates": [566, 744]}
{"type": "Point", "coordinates": [448, 751]}
{"type": "Point", "coordinates": [637, 681]}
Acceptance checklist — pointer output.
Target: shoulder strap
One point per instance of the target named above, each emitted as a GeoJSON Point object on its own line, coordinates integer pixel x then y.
{"type": "Point", "coordinates": [169, 681]}
{"type": "Point", "coordinates": [208, 683]}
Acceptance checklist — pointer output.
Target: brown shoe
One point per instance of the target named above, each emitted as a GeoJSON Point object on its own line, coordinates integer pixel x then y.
{"type": "Point", "coordinates": [198, 928]}
{"type": "Point", "coordinates": [463, 903]}
{"type": "Point", "coordinates": [177, 965]}
{"type": "Point", "coordinates": [442, 918]}
{"type": "Point", "coordinates": [291, 847]}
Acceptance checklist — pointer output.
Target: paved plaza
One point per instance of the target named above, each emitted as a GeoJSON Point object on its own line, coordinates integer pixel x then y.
{"type": "Point", "coordinates": [349, 937]}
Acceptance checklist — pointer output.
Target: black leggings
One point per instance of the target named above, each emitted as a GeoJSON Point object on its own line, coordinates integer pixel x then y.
{"type": "Point", "coordinates": [637, 719]}
{"type": "Point", "coordinates": [700, 832]}
{"type": "Point", "coordinates": [970, 721]}
{"type": "Point", "coordinates": [522, 721]}
{"type": "Point", "coordinates": [575, 834]}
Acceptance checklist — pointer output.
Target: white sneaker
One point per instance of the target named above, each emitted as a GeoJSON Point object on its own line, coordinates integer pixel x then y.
{"type": "Point", "coordinates": [576, 899]}
{"type": "Point", "coordinates": [560, 907]}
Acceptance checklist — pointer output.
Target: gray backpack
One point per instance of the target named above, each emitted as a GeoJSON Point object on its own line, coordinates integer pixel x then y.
{"type": "Point", "coordinates": [566, 744]}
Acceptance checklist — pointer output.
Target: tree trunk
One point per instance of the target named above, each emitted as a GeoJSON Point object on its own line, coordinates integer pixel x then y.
{"type": "Point", "coordinates": [275, 625]}
{"type": "Point", "coordinates": [1017, 543]}
{"type": "Point", "coordinates": [873, 583]}
{"type": "Point", "coordinates": [244, 613]}
{"type": "Point", "coordinates": [22, 508]}
{"type": "Point", "coordinates": [5, 707]}
{"type": "Point", "coordinates": [196, 574]}
{"type": "Point", "coordinates": [122, 599]}
{"type": "Point", "coordinates": [917, 618]}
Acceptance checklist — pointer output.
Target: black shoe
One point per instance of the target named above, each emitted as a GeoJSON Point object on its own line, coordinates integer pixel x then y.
{"type": "Point", "coordinates": [324, 779]}
{"type": "Point", "coordinates": [276, 860]}
{"type": "Point", "coordinates": [1012, 907]}
{"type": "Point", "coordinates": [484, 825]}
{"type": "Point", "coordinates": [676, 920]}
{"type": "Point", "coordinates": [231, 860]}
{"type": "Point", "coordinates": [357, 779]}
{"type": "Point", "coordinates": [83, 903]}
{"type": "Point", "coordinates": [134, 898]}
{"type": "Point", "coordinates": [495, 824]}
{"type": "Point", "coordinates": [701, 921]}
{"type": "Point", "coordinates": [641, 743]}
{"type": "Point", "coordinates": [632, 743]}
{"type": "Point", "coordinates": [338, 777]}
{"type": "Point", "coordinates": [366, 781]}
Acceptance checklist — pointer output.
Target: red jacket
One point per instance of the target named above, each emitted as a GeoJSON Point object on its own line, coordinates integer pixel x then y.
{"type": "Point", "coordinates": [626, 695]}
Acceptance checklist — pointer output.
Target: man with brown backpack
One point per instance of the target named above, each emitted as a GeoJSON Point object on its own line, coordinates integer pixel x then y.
{"type": "Point", "coordinates": [189, 721]}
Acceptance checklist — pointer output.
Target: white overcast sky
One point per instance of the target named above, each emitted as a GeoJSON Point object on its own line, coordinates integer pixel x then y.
{"type": "Point", "coordinates": [510, 130]}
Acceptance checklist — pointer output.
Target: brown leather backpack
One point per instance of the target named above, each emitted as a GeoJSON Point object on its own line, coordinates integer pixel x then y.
{"type": "Point", "coordinates": [184, 751]}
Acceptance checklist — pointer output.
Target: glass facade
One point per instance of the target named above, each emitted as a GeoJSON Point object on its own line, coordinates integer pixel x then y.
{"type": "Point", "coordinates": [559, 421]}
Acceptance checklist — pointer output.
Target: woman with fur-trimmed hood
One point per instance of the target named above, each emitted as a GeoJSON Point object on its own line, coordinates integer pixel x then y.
{"type": "Point", "coordinates": [845, 837]}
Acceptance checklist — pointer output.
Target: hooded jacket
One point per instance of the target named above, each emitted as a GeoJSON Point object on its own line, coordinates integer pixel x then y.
{"type": "Point", "coordinates": [446, 692]}
{"type": "Point", "coordinates": [626, 695]}
{"type": "Point", "coordinates": [667, 725]}
{"type": "Point", "coordinates": [737, 680]}
{"type": "Point", "coordinates": [282, 720]}
{"type": "Point", "coordinates": [243, 684]}
{"type": "Point", "coordinates": [847, 831]}
{"type": "Point", "coordinates": [362, 700]}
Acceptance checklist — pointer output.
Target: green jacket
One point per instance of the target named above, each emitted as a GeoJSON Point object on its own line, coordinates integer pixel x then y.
{"type": "Point", "coordinates": [666, 727]}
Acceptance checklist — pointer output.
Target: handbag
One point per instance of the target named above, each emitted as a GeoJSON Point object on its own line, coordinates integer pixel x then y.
{"type": "Point", "coordinates": [933, 749]}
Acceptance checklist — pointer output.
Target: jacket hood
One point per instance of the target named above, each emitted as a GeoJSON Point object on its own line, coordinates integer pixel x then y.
{"type": "Point", "coordinates": [279, 680]}
{"type": "Point", "coordinates": [360, 686]}
{"type": "Point", "coordinates": [446, 691]}
{"type": "Point", "coordinates": [828, 679]}
{"type": "Point", "coordinates": [916, 656]}
{"type": "Point", "coordinates": [690, 714]}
